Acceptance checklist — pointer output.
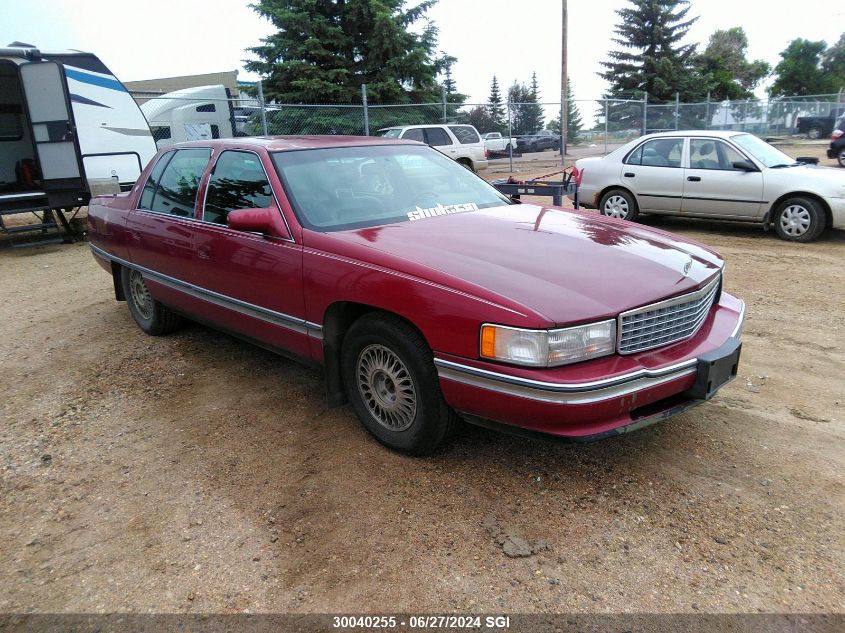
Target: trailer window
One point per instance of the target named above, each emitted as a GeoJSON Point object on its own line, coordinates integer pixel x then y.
{"type": "Point", "coordinates": [160, 132]}
{"type": "Point", "coordinates": [238, 182]}
{"type": "Point", "coordinates": [10, 124]}
{"type": "Point", "coordinates": [172, 189]}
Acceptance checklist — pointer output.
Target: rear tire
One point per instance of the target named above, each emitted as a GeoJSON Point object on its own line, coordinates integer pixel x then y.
{"type": "Point", "coordinates": [814, 133]}
{"type": "Point", "coordinates": [840, 158]}
{"type": "Point", "coordinates": [392, 384]}
{"type": "Point", "coordinates": [799, 219]}
{"type": "Point", "coordinates": [466, 163]}
{"type": "Point", "coordinates": [618, 203]}
{"type": "Point", "coordinates": [151, 316]}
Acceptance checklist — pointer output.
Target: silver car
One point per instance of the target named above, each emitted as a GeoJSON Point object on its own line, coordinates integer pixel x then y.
{"type": "Point", "coordinates": [714, 174]}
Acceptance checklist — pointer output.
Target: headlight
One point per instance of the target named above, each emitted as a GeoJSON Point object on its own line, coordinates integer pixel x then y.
{"type": "Point", "coordinates": [548, 348]}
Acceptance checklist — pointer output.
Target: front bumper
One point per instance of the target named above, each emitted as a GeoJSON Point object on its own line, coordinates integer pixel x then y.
{"type": "Point", "coordinates": [597, 398]}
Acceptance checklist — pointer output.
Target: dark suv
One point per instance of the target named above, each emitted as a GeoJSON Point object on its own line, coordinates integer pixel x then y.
{"type": "Point", "coordinates": [837, 142]}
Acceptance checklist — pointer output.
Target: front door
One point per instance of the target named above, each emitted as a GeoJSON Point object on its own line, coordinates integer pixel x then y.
{"type": "Point", "coordinates": [53, 130]}
{"type": "Point", "coordinates": [713, 186]}
{"type": "Point", "coordinates": [654, 173]}
{"type": "Point", "coordinates": [256, 280]}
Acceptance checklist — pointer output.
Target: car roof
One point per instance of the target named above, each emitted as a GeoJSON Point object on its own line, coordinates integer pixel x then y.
{"type": "Point", "coordinates": [711, 133]}
{"type": "Point", "coordinates": [283, 143]}
{"type": "Point", "coordinates": [415, 125]}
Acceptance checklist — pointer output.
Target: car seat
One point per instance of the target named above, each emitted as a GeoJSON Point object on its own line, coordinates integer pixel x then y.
{"type": "Point", "coordinates": [652, 158]}
{"type": "Point", "coordinates": [703, 158]}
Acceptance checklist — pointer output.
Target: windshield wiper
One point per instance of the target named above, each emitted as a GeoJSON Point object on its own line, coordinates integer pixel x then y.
{"type": "Point", "coordinates": [781, 165]}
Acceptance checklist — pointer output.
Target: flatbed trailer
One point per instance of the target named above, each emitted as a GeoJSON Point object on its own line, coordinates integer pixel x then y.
{"type": "Point", "coordinates": [555, 189]}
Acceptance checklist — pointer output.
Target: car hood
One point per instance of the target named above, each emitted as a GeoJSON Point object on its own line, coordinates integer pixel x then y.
{"type": "Point", "coordinates": [565, 266]}
{"type": "Point", "coordinates": [824, 181]}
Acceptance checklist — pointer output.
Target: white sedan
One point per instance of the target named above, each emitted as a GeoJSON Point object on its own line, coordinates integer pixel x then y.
{"type": "Point", "coordinates": [714, 174]}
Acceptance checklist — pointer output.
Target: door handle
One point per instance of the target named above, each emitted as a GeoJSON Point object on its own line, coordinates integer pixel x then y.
{"type": "Point", "coordinates": [629, 174]}
{"type": "Point", "coordinates": [694, 178]}
{"type": "Point", "coordinates": [204, 252]}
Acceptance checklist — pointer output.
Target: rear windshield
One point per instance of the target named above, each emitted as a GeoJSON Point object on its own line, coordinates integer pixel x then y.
{"type": "Point", "coordinates": [354, 187]}
{"type": "Point", "coordinates": [466, 134]}
{"type": "Point", "coordinates": [393, 132]}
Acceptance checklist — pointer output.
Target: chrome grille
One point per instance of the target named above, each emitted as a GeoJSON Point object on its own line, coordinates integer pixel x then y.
{"type": "Point", "coordinates": [665, 322]}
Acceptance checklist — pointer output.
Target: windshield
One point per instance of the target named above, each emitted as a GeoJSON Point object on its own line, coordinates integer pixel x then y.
{"type": "Point", "coordinates": [391, 132]}
{"type": "Point", "coordinates": [762, 151]}
{"type": "Point", "coordinates": [354, 187]}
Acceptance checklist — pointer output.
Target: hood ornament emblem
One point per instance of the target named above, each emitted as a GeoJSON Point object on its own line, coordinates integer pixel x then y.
{"type": "Point", "coordinates": [687, 267]}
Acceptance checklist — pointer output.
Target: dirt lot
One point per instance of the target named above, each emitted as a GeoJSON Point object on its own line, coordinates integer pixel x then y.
{"type": "Point", "coordinates": [196, 473]}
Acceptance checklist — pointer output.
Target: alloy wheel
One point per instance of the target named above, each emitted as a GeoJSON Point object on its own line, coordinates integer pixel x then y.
{"type": "Point", "coordinates": [140, 295]}
{"type": "Point", "coordinates": [386, 387]}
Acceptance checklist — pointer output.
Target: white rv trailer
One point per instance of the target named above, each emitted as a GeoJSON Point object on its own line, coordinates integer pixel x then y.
{"type": "Point", "coordinates": [190, 114]}
{"type": "Point", "coordinates": [66, 124]}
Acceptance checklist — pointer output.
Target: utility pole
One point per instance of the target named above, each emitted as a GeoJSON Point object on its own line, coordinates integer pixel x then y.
{"type": "Point", "coordinates": [564, 93]}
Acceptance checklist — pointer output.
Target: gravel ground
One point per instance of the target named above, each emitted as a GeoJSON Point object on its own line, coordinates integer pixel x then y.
{"type": "Point", "coordinates": [195, 473]}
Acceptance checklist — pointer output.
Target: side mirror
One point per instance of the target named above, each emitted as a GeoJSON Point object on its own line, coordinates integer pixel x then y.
{"type": "Point", "coordinates": [807, 160]}
{"type": "Point", "coordinates": [744, 165]}
{"type": "Point", "coordinates": [266, 221]}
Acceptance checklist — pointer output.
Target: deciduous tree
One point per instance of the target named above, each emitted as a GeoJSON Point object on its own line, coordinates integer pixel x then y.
{"type": "Point", "coordinates": [800, 72]}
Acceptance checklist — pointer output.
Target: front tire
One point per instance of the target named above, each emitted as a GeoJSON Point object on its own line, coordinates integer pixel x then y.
{"type": "Point", "coordinates": [151, 316]}
{"type": "Point", "coordinates": [799, 219]}
{"type": "Point", "coordinates": [392, 384]}
{"type": "Point", "coordinates": [618, 203]}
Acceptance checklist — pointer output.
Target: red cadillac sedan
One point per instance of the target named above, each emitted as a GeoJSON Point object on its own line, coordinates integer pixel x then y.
{"type": "Point", "coordinates": [424, 293]}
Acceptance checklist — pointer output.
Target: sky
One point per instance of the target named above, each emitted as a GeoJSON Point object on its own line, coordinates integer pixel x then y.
{"type": "Point", "coordinates": [166, 38]}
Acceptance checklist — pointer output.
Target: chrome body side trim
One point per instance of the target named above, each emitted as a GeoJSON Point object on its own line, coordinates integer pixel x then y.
{"type": "Point", "coordinates": [555, 393]}
{"type": "Point", "coordinates": [286, 321]}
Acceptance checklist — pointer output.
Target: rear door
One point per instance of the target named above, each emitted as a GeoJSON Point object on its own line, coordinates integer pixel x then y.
{"type": "Point", "coordinates": [440, 139]}
{"type": "Point", "coordinates": [161, 228]}
{"type": "Point", "coordinates": [712, 186]}
{"type": "Point", "coordinates": [654, 172]}
{"type": "Point", "coordinates": [253, 282]}
{"type": "Point", "coordinates": [53, 130]}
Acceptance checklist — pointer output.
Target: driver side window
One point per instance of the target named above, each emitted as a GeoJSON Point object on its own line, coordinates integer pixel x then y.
{"type": "Point", "coordinates": [238, 182]}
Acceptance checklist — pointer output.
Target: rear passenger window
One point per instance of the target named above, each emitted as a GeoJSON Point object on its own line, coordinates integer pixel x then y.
{"type": "Point", "coordinates": [415, 134]}
{"type": "Point", "coordinates": [465, 134]}
{"type": "Point", "coordinates": [238, 182]}
{"type": "Point", "coordinates": [659, 152]}
{"type": "Point", "coordinates": [437, 137]}
{"type": "Point", "coordinates": [172, 185]}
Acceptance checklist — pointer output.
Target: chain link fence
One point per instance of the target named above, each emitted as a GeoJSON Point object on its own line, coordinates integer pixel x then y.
{"type": "Point", "coordinates": [597, 127]}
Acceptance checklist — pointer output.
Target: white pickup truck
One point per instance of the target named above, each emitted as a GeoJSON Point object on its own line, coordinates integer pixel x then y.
{"type": "Point", "coordinates": [495, 142]}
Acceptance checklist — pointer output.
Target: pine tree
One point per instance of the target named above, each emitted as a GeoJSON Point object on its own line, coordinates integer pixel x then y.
{"type": "Point", "coordinates": [325, 49]}
{"type": "Point", "coordinates": [574, 124]}
{"type": "Point", "coordinates": [652, 59]}
{"type": "Point", "coordinates": [495, 108]}
{"type": "Point", "coordinates": [534, 111]}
